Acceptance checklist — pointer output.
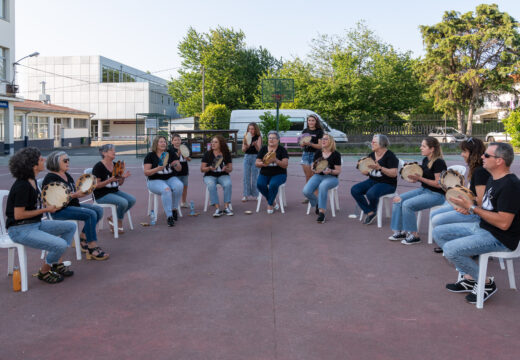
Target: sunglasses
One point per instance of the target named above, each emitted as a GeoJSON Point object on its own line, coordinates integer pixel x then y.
{"type": "Point", "coordinates": [66, 160]}
{"type": "Point", "coordinates": [487, 156]}
{"type": "Point", "coordinates": [470, 140]}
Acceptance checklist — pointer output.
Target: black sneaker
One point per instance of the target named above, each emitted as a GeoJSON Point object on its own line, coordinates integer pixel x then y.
{"type": "Point", "coordinates": [321, 218]}
{"type": "Point", "coordinates": [398, 235]}
{"type": "Point", "coordinates": [228, 212]}
{"type": "Point", "coordinates": [171, 221]}
{"type": "Point", "coordinates": [175, 215]}
{"type": "Point", "coordinates": [317, 211]}
{"type": "Point", "coordinates": [369, 219]}
{"type": "Point", "coordinates": [463, 285]}
{"type": "Point", "coordinates": [411, 240]}
{"type": "Point", "coordinates": [489, 290]}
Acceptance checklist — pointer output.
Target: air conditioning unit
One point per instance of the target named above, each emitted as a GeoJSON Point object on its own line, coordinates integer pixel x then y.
{"type": "Point", "coordinates": [11, 89]}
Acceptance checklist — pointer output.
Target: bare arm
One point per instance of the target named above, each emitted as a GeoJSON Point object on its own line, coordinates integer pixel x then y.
{"type": "Point", "coordinates": [480, 190]}
{"type": "Point", "coordinates": [20, 213]}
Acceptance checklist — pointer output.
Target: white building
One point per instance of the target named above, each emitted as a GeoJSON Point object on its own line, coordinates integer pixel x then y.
{"type": "Point", "coordinates": [114, 92]}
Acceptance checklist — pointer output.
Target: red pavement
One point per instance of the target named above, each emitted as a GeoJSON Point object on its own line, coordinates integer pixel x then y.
{"type": "Point", "coordinates": [255, 287]}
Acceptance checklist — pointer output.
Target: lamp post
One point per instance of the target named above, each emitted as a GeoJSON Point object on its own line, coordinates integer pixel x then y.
{"type": "Point", "coordinates": [36, 53]}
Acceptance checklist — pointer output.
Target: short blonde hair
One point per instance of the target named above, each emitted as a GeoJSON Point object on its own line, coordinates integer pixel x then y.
{"type": "Point", "coordinates": [332, 142]}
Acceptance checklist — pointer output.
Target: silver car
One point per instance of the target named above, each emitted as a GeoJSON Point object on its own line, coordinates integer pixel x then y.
{"type": "Point", "coordinates": [451, 135]}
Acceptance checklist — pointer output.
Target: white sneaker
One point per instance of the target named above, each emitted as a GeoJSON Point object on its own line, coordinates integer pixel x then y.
{"type": "Point", "coordinates": [244, 199]}
{"type": "Point", "coordinates": [184, 205]}
{"type": "Point", "coordinates": [276, 206]}
{"type": "Point", "coordinates": [270, 211]}
{"type": "Point", "coordinates": [218, 213]}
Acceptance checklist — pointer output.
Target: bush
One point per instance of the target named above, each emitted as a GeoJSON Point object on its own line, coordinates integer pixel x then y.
{"type": "Point", "coordinates": [512, 127]}
{"type": "Point", "coordinates": [268, 123]}
{"type": "Point", "coordinates": [215, 117]}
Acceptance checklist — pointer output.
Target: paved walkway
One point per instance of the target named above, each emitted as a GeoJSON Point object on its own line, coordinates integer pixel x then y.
{"type": "Point", "coordinates": [255, 287]}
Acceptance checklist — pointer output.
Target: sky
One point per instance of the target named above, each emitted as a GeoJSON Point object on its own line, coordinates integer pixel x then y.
{"type": "Point", "coordinates": [145, 34]}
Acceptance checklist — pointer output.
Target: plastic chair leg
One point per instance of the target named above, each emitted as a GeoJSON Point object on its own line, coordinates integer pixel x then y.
{"type": "Point", "coordinates": [130, 220]}
{"type": "Point", "coordinates": [206, 200]}
{"type": "Point", "coordinates": [77, 242]}
{"type": "Point", "coordinates": [380, 207]}
{"type": "Point", "coordinates": [336, 198]}
{"type": "Point", "coordinates": [258, 202]}
{"type": "Point", "coordinates": [511, 273]}
{"type": "Point", "coordinates": [332, 205]}
{"type": "Point", "coordinates": [115, 221]}
{"type": "Point", "coordinates": [22, 260]}
{"type": "Point", "coordinates": [281, 198]}
{"type": "Point", "coordinates": [482, 271]}
{"type": "Point", "coordinates": [10, 260]}
{"type": "Point", "coordinates": [308, 208]}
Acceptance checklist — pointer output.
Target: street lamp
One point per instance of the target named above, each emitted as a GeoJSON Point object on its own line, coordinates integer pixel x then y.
{"type": "Point", "coordinates": [13, 85]}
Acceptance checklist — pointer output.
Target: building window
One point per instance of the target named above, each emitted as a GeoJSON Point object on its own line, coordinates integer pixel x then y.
{"type": "Point", "coordinates": [3, 63]}
{"type": "Point", "coordinates": [65, 122]}
{"type": "Point", "coordinates": [38, 127]}
{"type": "Point", "coordinates": [3, 115]}
{"type": "Point", "coordinates": [3, 9]}
{"type": "Point", "coordinates": [80, 123]}
{"type": "Point", "coordinates": [18, 127]}
{"type": "Point", "coordinates": [105, 130]}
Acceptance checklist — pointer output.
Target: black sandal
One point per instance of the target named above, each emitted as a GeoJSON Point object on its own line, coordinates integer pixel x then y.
{"type": "Point", "coordinates": [84, 245]}
{"type": "Point", "coordinates": [50, 277]}
{"type": "Point", "coordinates": [99, 256]}
{"type": "Point", "coordinates": [61, 269]}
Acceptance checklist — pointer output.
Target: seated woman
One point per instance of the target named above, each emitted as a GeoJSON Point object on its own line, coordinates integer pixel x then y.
{"type": "Point", "coordinates": [215, 173]}
{"type": "Point", "coordinates": [182, 175]}
{"type": "Point", "coordinates": [161, 177]}
{"type": "Point", "coordinates": [325, 180]}
{"type": "Point", "coordinates": [24, 215]}
{"type": "Point", "coordinates": [430, 194]}
{"type": "Point", "coordinates": [382, 180]}
{"type": "Point", "coordinates": [107, 188]}
{"type": "Point", "coordinates": [250, 169]}
{"type": "Point", "coordinates": [274, 173]}
{"type": "Point", "coordinates": [472, 151]}
{"type": "Point", "coordinates": [58, 165]}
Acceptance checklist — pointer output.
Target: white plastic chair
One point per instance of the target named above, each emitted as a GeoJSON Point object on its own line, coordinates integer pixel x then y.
{"type": "Point", "coordinates": [482, 271]}
{"type": "Point", "coordinates": [282, 199]}
{"type": "Point", "coordinates": [11, 246]}
{"type": "Point", "coordinates": [333, 199]}
{"type": "Point", "coordinates": [114, 212]}
{"type": "Point", "coordinates": [207, 200]}
{"type": "Point", "coordinates": [155, 198]}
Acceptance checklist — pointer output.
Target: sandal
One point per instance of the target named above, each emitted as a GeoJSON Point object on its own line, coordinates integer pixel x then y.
{"type": "Point", "coordinates": [99, 256]}
{"type": "Point", "coordinates": [50, 277]}
{"type": "Point", "coordinates": [119, 230]}
{"type": "Point", "coordinates": [61, 269]}
{"type": "Point", "coordinates": [84, 246]}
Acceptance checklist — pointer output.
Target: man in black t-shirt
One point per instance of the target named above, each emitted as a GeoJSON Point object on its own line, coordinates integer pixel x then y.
{"type": "Point", "coordinates": [498, 230]}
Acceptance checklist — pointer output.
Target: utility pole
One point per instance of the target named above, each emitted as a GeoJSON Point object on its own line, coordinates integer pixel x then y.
{"type": "Point", "coordinates": [203, 71]}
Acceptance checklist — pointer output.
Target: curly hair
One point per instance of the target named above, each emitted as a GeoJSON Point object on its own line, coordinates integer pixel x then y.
{"type": "Point", "coordinates": [476, 149]}
{"type": "Point", "coordinates": [21, 164]}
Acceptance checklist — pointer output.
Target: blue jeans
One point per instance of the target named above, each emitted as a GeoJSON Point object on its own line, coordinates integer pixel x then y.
{"type": "Point", "coordinates": [250, 175]}
{"type": "Point", "coordinates": [307, 158]}
{"type": "Point", "coordinates": [54, 236]}
{"type": "Point", "coordinates": [403, 212]}
{"type": "Point", "coordinates": [170, 191]}
{"type": "Point", "coordinates": [121, 200]}
{"type": "Point", "coordinates": [462, 241]}
{"type": "Point", "coordinates": [373, 190]}
{"type": "Point", "coordinates": [446, 214]}
{"type": "Point", "coordinates": [268, 186]}
{"type": "Point", "coordinates": [323, 183]}
{"type": "Point", "coordinates": [211, 183]}
{"type": "Point", "coordinates": [183, 179]}
{"type": "Point", "coordinates": [88, 213]}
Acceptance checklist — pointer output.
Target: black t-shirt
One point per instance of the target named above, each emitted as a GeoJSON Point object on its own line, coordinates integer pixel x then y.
{"type": "Point", "coordinates": [502, 195]}
{"type": "Point", "coordinates": [438, 166]}
{"type": "Point", "coordinates": [184, 163]}
{"type": "Point", "coordinates": [389, 161]}
{"type": "Point", "coordinates": [273, 169]}
{"type": "Point", "coordinates": [51, 177]}
{"type": "Point", "coordinates": [209, 158]}
{"type": "Point", "coordinates": [22, 194]}
{"type": "Point", "coordinates": [252, 149]}
{"type": "Point", "coordinates": [333, 159]}
{"type": "Point", "coordinates": [479, 177]}
{"type": "Point", "coordinates": [101, 172]}
{"type": "Point", "coordinates": [316, 134]}
{"type": "Point", "coordinates": [167, 172]}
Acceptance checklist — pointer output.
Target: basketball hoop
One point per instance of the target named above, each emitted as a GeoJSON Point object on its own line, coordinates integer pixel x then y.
{"type": "Point", "coordinates": [277, 91]}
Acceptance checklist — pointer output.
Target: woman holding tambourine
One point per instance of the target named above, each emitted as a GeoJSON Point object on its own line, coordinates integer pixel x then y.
{"type": "Point", "coordinates": [58, 163]}
{"type": "Point", "coordinates": [183, 152]}
{"type": "Point", "coordinates": [325, 179]}
{"type": "Point", "coordinates": [159, 166]}
{"type": "Point", "coordinates": [250, 146]}
{"type": "Point", "coordinates": [272, 160]}
{"type": "Point", "coordinates": [404, 223]}
{"type": "Point", "coordinates": [310, 142]}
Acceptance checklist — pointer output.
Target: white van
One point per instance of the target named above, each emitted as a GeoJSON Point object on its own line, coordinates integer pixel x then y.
{"type": "Point", "coordinates": [240, 119]}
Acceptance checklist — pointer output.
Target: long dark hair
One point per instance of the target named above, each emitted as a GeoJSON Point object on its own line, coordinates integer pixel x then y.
{"type": "Point", "coordinates": [476, 149]}
{"type": "Point", "coordinates": [318, 123]}
{"type": "Point", "coordinates": [223, 146]}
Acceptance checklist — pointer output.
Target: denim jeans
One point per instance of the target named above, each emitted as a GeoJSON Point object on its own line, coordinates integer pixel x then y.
{"type": "Point", "coordinates": [268, 186]}
{"type": "Point", "coordinates": [307, 158]}
{"type": "Point", "coordinates": [250, 175]}
{"type": "Point", "coordinates": [170, 191]}
{"type": "Point", "coordinates": [446, 214]}
{"type": "Point", "coordinates": [51, 235]}
{"type": "Point", "coordinates": [462, 241]}
{"type": "Point", "coordinates": [121, 200]}
{"type": "Point", "coordinates": [373, 190]}
{"type": "Point", "coordinates": [88, 213]}
{"type": "Point", "coordinates": [323, 183]}
{"type": "Point", "coordinates": [403, 212]}
{"type": "Point", "coordinates": [183, 179]}
{"type": "Point", "coordinates": [211, 183]}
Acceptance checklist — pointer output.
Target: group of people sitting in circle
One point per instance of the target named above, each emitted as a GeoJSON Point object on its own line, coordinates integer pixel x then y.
{"type": "Point", "coordinates": [491, 223]}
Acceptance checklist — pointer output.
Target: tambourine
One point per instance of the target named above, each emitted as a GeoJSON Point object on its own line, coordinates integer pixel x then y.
{"type": "Point", "coordinates": [363, 165]}
{"type": "Point", "coordinates": [248, 138]}
{"type": "Point", "coordinates": [450, 178]}
{"type": "Point", "coordinates": [268, 157]}
{"type": "Point", "coordinates": [56, 194]}
{"type": "Point", "coordinates": [86, 183]}
{"type": "Point", "coordinates": [218, 160]}
{"type": "Point", "coordinates": [408, 169]}
{"type": "Point", "coordinates": [304, 138]}
{"type": "Point", "coordinates": [456, 191]}
{"type": "Point", "coordinates": [163, 160]}
{"type": "Point", "coordinates": [319, 165]}
{"type": "Point", "coordinates": [185, 152]}
{"type": "Point", "coordinates": [119, 169]}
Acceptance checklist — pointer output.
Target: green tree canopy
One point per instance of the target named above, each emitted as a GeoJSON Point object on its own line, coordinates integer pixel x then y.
{"type": "Point", "coordinates": [215, 117]}
{"type": "Point", "coordinates": [268, 123]}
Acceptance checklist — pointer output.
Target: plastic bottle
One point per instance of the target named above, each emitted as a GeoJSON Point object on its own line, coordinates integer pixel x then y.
{"type": "Point", "coordinates": [17, 280]}
{"type": "Point", "coordinates": [153, 219]}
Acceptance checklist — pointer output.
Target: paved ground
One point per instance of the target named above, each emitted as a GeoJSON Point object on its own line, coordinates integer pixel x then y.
{"type": "Point", "coordinates": [255, 287]}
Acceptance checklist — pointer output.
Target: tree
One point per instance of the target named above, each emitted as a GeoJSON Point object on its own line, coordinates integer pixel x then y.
{"type": "Point", "coordinates": [512, 127]}
{"type": "Point", "coordinates": [268, 123]}
{"type": "Point", "coordinates": [468, 55]}
{"type": "Point", "coordinates": [215, 117]}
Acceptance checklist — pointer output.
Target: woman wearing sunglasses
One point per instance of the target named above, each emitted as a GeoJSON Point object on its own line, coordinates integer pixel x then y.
{"type": "Point", "coordinates": [58, 165]}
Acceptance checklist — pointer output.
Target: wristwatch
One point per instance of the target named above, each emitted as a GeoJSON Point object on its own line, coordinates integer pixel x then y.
{"type": "Point", "coordinates": [471, 209]}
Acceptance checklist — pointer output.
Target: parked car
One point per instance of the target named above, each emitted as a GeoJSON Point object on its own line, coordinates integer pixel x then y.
{"type": "Point", "coordinates": [451, 135]}
{"type": "Point", "coordinates": [497, 137]}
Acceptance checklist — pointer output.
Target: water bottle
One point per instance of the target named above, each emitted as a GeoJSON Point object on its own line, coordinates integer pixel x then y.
{"type": "Point", "coordinates": [153, 219]}
{"type": "Point", "coordinates": [17, 280]}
